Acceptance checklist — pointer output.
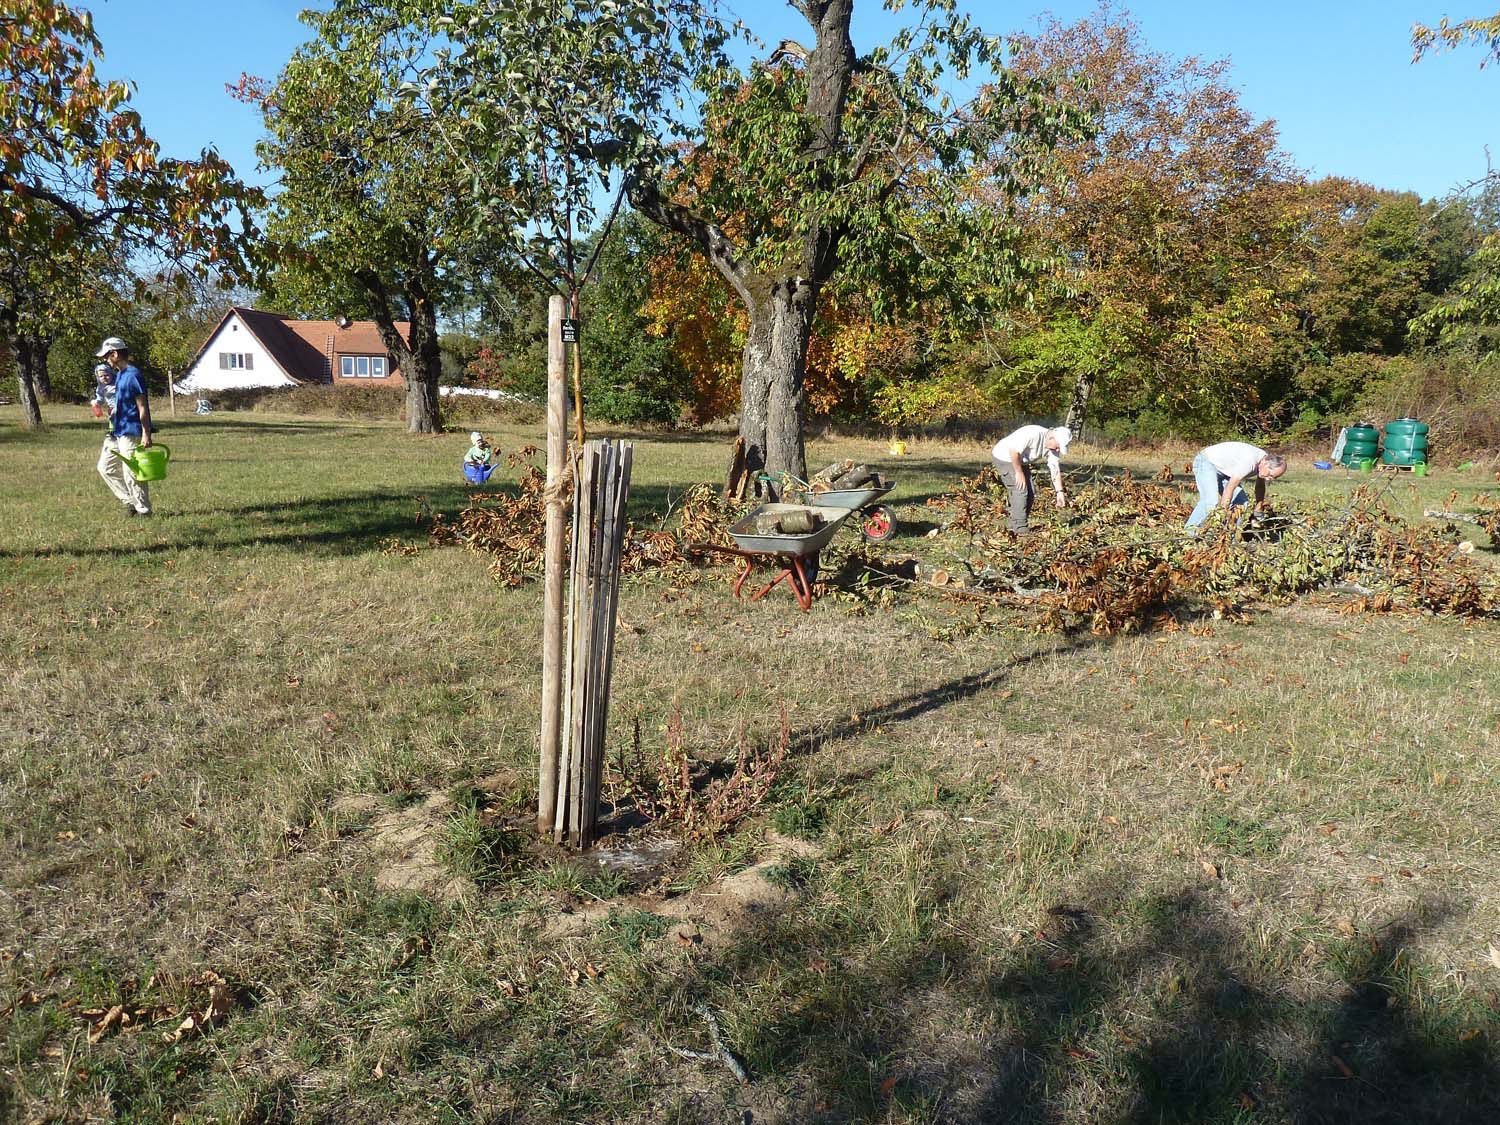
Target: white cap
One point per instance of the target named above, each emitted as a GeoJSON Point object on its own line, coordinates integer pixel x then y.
{"type": "Point", "coordinates": [475, 437]}
{"type": "Point", "coordinates": [1063, 436]}
{"type": "Point", "coordinates": [113, 344]}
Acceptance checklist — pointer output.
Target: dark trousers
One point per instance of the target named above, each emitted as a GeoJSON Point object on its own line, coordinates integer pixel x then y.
{"type": "Point", "coordinates": [1021, 494]}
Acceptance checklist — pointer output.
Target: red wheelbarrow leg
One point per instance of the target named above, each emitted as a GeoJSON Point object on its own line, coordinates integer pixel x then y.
{"type": "Point", "coordinates": [801, 584]}
{"type": "Point", "coordinates": [745, 566]}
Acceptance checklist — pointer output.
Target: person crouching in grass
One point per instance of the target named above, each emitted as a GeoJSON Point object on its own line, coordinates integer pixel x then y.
{"type": "Point", "coordinates": [1219, 469]}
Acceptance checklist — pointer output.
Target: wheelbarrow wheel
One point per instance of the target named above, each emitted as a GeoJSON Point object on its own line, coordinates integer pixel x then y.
{"type": "Point", "coordinates": [878, 523]}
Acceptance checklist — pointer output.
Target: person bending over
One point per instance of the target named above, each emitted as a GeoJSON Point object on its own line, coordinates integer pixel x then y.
{"type": "Point", "coordinates": [1013, 457]}
{"type": "Point", "coordinates": [1219, 469]}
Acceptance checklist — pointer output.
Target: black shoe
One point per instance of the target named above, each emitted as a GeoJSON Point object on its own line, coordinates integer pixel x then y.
{"type": "Point", "coordinates": [130, 512]}
{"type": "Point", "coordinates": [144, 515]}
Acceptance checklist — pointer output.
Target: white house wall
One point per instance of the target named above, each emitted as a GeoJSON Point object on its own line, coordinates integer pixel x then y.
{"type": "Point", "coordinates": [233, 336]}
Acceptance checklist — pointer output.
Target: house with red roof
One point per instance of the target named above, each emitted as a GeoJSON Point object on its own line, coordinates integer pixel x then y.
{"type": "Point", "coordinates": [251, 349]}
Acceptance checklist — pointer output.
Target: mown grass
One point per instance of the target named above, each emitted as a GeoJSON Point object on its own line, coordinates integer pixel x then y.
{"type": "Point", "coordinates": [1234, 873]}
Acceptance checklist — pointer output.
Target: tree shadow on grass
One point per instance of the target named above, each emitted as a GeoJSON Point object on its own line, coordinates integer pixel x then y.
{"type": "Point", "coordinates": [334, 525]}
{"type": "Point", "coordinates": [1094, 1013]}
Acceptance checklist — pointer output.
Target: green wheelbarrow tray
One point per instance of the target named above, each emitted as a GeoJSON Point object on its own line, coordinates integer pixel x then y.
{"type": "Point", "coordinates": [149, 463]}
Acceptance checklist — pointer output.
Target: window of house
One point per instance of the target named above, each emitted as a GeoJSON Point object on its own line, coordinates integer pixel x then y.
{"type": "Point", "coordinates": [236, 361]}
{"type": "Point", "coordinates": [362, 366]}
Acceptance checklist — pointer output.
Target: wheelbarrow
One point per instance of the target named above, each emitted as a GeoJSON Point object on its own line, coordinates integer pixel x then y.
{"type": "Point", "coordinates": [795, 553]}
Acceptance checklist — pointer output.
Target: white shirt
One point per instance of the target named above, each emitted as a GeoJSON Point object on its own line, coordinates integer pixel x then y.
{"type": "Point", "coordinates": [1030, 444]}
{"type": "Point", "coordinates": [1234, 459]}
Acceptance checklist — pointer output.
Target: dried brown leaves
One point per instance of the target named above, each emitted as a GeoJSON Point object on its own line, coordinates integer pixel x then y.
{"type": "Point", "coordinates": [512, 530]}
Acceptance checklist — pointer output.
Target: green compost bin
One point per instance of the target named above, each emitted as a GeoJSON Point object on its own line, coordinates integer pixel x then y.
{"type": "Point", "coordinates": [1361, 443]}
{"type": "Point", "coordinates": [1405, 443]}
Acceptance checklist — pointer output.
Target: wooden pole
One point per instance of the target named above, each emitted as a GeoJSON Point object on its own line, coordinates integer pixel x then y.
{"type": "Point", "coordinates": [552, 600]}
{"type": "Point", "coordinates": [579, 434]}
{"type": "Point", "coordinates": [171, 393]}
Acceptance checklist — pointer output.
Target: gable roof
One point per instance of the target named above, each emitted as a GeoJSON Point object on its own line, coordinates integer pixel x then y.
{"type": "Point", "coordinates": [302, 347]}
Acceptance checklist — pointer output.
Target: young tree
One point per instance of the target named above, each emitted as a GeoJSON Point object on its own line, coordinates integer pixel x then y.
{"type": "Point", "coordinates": [562, 96]}
{"type": "Point", "coordinates": [823, 164]}
{"type": "Point", "coordinates": [83, 188]}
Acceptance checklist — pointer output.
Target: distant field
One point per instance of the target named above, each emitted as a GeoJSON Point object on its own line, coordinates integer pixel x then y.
{"type": "Point", "coordinates": [1226, 873]}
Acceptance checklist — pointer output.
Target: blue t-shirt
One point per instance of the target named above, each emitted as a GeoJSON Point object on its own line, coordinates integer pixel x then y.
{"type": "Point", "coordinates": [126, 419]}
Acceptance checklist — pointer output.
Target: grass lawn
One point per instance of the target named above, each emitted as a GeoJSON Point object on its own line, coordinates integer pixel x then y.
{"type": "Point", "coordinates": [1227, 873]}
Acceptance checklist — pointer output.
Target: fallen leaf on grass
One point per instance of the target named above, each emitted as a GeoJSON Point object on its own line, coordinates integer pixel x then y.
{"type": "Point", "coordinates": [1343, 1066]}
{"type": "Point", "coordinates": [1210, 869]}
{"type": "Point", "coordinates": [379, 1072]}
{"type": "Point", "coordinates": [1375, 880]}
{"type": "Point", "coordinates": [1404, 873]}
{"type": "Point", "coordinates": [1469, 1033]}
{"type": "Point", "coordinates": [888, 1085]}
{"type": "Point", "coordinates": [1344, 926]}
{"type": "Point", "coordinates": [1060, 964]}
{"type": "Point", "coordinates": [1328, 829]}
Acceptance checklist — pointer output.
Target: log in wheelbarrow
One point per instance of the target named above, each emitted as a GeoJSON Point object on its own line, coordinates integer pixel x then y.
{"type": "Point", "coordinates": [767, 535]}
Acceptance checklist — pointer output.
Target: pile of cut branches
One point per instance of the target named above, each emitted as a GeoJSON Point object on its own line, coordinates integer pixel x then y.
{"type": "Point", "coordinates": [1118, 556]}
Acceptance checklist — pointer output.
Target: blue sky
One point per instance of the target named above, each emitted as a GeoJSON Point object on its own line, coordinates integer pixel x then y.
{"type": "Point", "coordinates": [1336, 75]}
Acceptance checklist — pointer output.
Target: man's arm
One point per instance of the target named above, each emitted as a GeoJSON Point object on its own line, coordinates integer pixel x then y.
{"type": "Point", "coordinates": [1016, 466]}
{"type": "Point", "coordinates": [145, 409]}
{"type": "Point", "coordinates": [1054, 466]}
{"type": "Point", "coordinates": [1260, 491]}
{"type": "Point", "coordinates": [1227, 495]}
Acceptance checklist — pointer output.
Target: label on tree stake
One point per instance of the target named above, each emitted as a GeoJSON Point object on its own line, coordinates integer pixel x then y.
{"type": "Point", "coordinates": [569, 331]}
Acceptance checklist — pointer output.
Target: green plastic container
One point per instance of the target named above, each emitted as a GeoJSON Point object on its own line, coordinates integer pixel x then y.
{"type": "Point", "coordinates": [150, 463]}
{"type": "Point", "coordinates": [1392, 457]}
{"type": "Point", "coordinates": [1361, 433]}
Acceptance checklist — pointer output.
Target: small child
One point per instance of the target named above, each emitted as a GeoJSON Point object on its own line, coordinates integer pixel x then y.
{"type": "Point", "coordinates": [479, 462]}
{"type": "Point", "coordinates": [103, 402]}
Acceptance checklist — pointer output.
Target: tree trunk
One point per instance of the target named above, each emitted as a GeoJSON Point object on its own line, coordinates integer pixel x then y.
{"type": "Point", "coordinates": [1078, 408]}
{"type": "Point", "coordinates": [783, 366]}
{"type": "Point", "coordinates": [41, 378]}
{"type": "Point", "coordinates": [28, 354]}
{"type": "Point", "coordinates": [422, 413]}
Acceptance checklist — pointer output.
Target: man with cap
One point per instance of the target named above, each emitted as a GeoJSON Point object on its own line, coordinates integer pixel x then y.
{"type": "Point", "coordinates": [129, 429]}
{"type": "Point", "coordinates": [1014, 455]}
{"type": "Point", "coordinates": [1218, 471]}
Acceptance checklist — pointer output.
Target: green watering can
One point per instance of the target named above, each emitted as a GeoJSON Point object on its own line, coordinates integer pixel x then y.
{"type": "Point", "coordinates": [149, 463]}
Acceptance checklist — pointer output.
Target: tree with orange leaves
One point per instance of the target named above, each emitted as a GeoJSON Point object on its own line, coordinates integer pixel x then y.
{"type": "Point", "coordinates": [83, 188]}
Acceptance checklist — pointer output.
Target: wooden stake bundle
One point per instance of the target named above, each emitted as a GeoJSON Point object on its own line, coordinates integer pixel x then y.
{"type": "Point", "coordinates": [602, 471]}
